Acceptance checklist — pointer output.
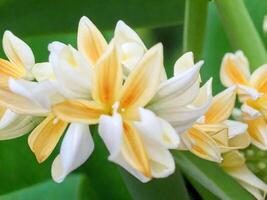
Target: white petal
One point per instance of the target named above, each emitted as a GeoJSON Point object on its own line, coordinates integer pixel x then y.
{"type": "Point", "coordinates": [17, 125]}
{"type": "Point", "coordinates": [235, 128]}
{"type": "Point", "coordinates": [179, 90]}
{"type": "Point", "coordinates": [43, 71]}
{"type": "Point", "coordinates": [18, 51]}
{"type": "Point", "coordinates": [184, 63]}
{"type": "Point", "coordinates": [249, 112]}
{"type": "Point", "coordinates": [124, 34]}
{"type": "Point", "coordinates": [72, 72]}
{"type": "Point", "coordinates": [76, 148]}
{"type": "Point", "coordinates": [183, 117]}
{"type": "Point", "coordinates": [111, 131]}
{"type": "Point", "coordinates": [161, 160]}
{"type": "Point", "coordinates": [35, 92]}
{"type": "Point", "coordinates": [247, 93]}
{"type": "Point", "coordinates": [156, 130]}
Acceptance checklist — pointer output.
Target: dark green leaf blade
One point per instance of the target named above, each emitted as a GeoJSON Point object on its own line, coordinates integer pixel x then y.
{"type": "Point", "coordinates": [211, 177]}
{"type": "Point", "coordinates": [30, 17]}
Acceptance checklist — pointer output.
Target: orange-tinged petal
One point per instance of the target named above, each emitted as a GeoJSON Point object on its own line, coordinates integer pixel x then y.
{"type": "Point", "coordinates": [79, 111]}
{"type": "Point", "coordinates": [257, 130]}
{"type": "Point", "coordinates": [134, 150]}
{"type": "Point", "coordinates": [222, 106]}
{"type": "Point", "coordinates": [202, 145]}
{"type": "Point", "coordinates": [144, 80]}
{"type": "Point", "coordinates": [234, 69]}
{"type": "Point", "coordinates": [259, 79]}
{"type": "Point", "coordinates": [45, 137]}
{"type": "Point", "coordinates": [9, 69]}
{"type": "Point", "coordinates": [107, 79]}
{"type": "Point", "coordinates": [91, 42]}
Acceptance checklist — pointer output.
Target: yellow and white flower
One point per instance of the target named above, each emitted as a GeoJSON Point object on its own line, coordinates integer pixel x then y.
{"type": "Point", "coordinates": [214, 133]}
{"type": "Point", "coordinates": [252, 90]}
{"type": "Point", "coordinates": [20, 65]}
{"type": "Point", "coordinates": [67, 76]}
{"type": "Point", "coordinates": [234, 164]}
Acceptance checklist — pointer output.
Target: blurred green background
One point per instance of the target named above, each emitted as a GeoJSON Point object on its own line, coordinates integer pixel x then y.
{"type": "Point", "coordinates": [40, 22]}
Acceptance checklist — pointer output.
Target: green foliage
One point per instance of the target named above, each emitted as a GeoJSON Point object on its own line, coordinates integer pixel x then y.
{"type": "Point", "coordinates": [75, 187]}
{"type": "Point", "coordinates": [31, 17]}
{"type": "Point", "coordinates": [210, 176]}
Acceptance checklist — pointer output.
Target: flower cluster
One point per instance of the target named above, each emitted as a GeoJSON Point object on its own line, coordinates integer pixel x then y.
{"type": "Point", "coordinates": [122, 87]}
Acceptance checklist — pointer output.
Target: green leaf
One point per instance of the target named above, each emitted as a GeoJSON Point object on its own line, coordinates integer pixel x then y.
{"type": "Point", "coordinates": [210, 176]}
{"type": "Point", "coordinates": [195, 26]}
{"type": "Point", "coordinates": [241, 31]}
{"type": "Point", "coordinates": [171, 188]}
{"type": "Point", "coordinates": [31, 17]}
{"type": "Point", "coordinates": [75, 187]}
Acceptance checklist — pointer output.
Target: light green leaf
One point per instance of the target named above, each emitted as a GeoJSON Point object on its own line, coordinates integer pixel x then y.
{"type": "Point", "coordinates": [75, 187]}
{"type": "Point", "coordinates": [211, 177]}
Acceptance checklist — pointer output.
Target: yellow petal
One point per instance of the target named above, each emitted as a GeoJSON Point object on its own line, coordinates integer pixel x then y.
{"type": "Point", "coordinates": [20, 104]}
{"type": "Point", "coordinates": [257, 130]}
{"type": "Point", "coordinates": [259, 79]}
{"type": "Point", "coordinates": [240, 141]}
{"type": "Point", "coordinates": [134, 150]}
{"type": "Point", "coordinates": [234, 69]}
{"type": "Point", "coordinates": [202, 145]}
{"type": "Point", "coordinates": [233, 159]}
{"type": "Point", "coordinates": [222, 106]}
{"type": "Point", "coordinates": [9, 69]}
{"type": "Point", "coordinates": [107, 79]}
{"type": "Point", "coordinates": [91, 42]}
{"type": "Point", "coordinates": [144, 80]}
{"type": "Point", "coordinates": [45, 137]}
{"type": "Point", "coordinates": [79, 111]}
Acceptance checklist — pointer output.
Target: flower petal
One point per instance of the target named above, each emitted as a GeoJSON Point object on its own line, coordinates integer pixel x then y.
{"type": "Point", "coordinates": [235, 128]}
{"type": "Point", "coordinates": [234, 69]}
{"type": "Point", "coordinates": [79, 111]}
{"type": "Point", "coordinates": [35, 91]}
{"type": "Point", "coordinates": [222, 106]}
{"type": "Point", "coordinates": [131, 46]}
{"type": "Point", "coordinates": [183, 117]}
{"type": "Point", "coordinates": [184, 63]}
{"type": "Point", "coordinates": [43, 71]}
{"type": "Point", "coordinates": [257, 130]}
{"type": "Point", "coordinates": [234, 164]}
{"type": "Point", "coordinates": [156, 130]}
{"type": "Point", "coordinates": [76, 148]}
{"type": "Point", "coordinates": [143, 82]}
{"type": "Point", "coordinates": [107, 77]}
{"type": "Point", "coordinates": [201, 144]}
{"type": "Point", "coordinates": [45, 137]}
{"type": "Point", "coordinates": [20, 104]}
{"type": "Point", "coordinates": [259, 79]}
{"type": "Point", "coordinates": [17, 51]}
{"type": "Point", "coordinates": [15, 125]}
{"type": "Point", "coordinates": [179, 90]}
{"type": "Point", "coordinates": [111, 131]}
{"type": "Point", "coordinates": [11, 70]}
{"type": "Point", "coordinates": [91, 42]}
{"type": "Point", "coordinates": [161, 161]}
{"type": "Point", "coordinates": [72, 72]}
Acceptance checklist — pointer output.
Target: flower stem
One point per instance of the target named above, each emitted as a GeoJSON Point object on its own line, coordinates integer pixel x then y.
{"type": "Point", "coordinates": [241, 31]}
{"type": "Point", "coordinates": [195, 26]}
